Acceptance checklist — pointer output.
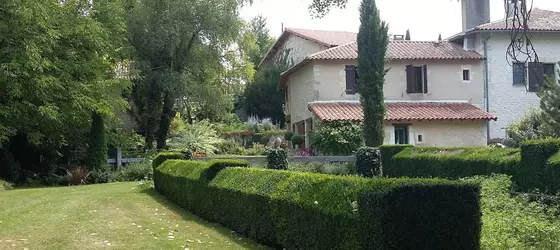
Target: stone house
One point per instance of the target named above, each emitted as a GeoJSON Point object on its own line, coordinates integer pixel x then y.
{"type": "Point", "coordinates": [509, 86]}
{"type": "Point", "coordinates": [433, 90]}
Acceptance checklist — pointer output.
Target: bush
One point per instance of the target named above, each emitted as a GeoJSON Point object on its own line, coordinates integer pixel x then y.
{"type": "Point", "coordinates": [163, 156]}
{"type": "Point", "coordinates": [198, 137]}
{"type": "Point", "coordinates": [529, 127]}
{"type": "Point", "coordinates": [98, 177]}
{"type": "Point", "coordinates": [513, 222]}
{"type": "Point", "coordinates": [368, 162]}
{"type": "Point", "coordinates": [540, 166]}
{"type": "Point", "coordinates": [297, 139]}
{"type": "Point", "coordinates": [136, 171]}
{"type": "Point", "coordinates": [452, 163]}
{"type": "Point", "coordinates": [296, 210]}
{"type": "Point", "coordinates": [393, 215]}
{"type": "Point", "coordinates": [77, 175]}
{"type": "Point", "coordinates": [338, 138]}
{"type": "Point", "coordinates": [4, 185]}
{"type": "Point", "coordinates": [387, 152]}
{"type": "Point", "coordinates": [288, 136]}
{"type": "Point", "coordinates": [229, 147]}
{"type": "Point", "coordinates": [255, 149]}
{"type": "Point", "coordinates": [277, 159]}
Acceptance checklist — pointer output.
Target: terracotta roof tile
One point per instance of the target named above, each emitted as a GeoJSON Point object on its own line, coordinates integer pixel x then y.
{"type": "Point", "coordinates": [411, 50]}
{"type": "Point", "coordinates": [327, 38]}
{"type": "Point", "coordinates": [401, 111]}
{"type": "Point", "coordinates": [540, 20]}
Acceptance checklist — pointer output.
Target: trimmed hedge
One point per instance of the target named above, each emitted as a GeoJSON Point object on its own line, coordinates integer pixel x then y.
{"type": "Point", "coordinates": [452, 163]}
{"type": "Point", "coordinates": [388, 151]}
{"type": "Point", "coordinates": [412, 217]}
{"type": "Point", "coordinates": [295, 210]}
{"type": "Point", "coordinates": [163, 156]}
{"type": "Point", "coordinates": [277, 159]}
{"type": "Point", "coordinates": [368, 162]}
{"type": "Point", "coordinates": [540, 166]}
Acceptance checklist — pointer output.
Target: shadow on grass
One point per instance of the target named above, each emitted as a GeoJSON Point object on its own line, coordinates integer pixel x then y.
{"type": "Point", "coordinates": [188, 216]}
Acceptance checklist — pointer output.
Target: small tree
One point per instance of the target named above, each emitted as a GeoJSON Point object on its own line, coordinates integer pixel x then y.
{"type": "Point", "coordinates": [372, 46]}
{"type": "Point", "coordinates": [407, 36]}
{"type": "Point", "coordinates": [549, 104]}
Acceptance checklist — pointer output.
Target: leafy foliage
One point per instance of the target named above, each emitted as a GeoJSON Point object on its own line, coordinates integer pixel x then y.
{"type": "Point", "coordinates": [137, 171]}
{"type": "Point", "coordinates": [197, 137]}
{"type": "Point", "coordinates": [277, 158]}
{"type": "Point", "coordinates": [164, 156]}
{"type": "Point", "coordinates": [372, 47]}
{"type": "Point", "coordinates": [540, 166]}
{"type": "Point", "coordinates": [549, 95]}
{"type": "Point", "coordinates": [514, 222]}
{"type": "Point", "coordinates": [337, 138]}
{"type": "Point", "coordinates": [368, 162]}
{"type": "Point", "coordinates": [529, 127]}
{"type": "Point", "coordinates": [57, 66]}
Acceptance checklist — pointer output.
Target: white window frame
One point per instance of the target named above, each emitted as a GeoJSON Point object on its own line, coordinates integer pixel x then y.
{"type": "Point", "coordinates": [463, 68]}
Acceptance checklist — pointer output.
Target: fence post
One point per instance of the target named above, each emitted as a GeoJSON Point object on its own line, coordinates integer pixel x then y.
{"type": "Point", "coordinates": [119, 158]}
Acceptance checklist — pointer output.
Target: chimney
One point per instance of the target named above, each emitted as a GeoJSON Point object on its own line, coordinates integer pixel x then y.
{"type": "Point", "coordinates": [398, 37]}
{"type": "Point", "coordinates": [475, 12]}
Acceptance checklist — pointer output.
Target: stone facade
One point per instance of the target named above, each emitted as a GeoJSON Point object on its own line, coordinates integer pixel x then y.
{"type": "Point", "coordinates": [507, 101]}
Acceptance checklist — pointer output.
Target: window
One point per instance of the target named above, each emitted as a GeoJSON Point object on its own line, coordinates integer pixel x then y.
{"type": "Point", "coordinates": [416, 79]}
{"type": "Point", "coordinates": [351, 79]}
{"type": "Point", "coordinates": [538, 73]}
{"type": "Point", "coordinates": [420, 138]}
{"type": "Point", "coordinates": [401, 134]}
{"type": "Point", "coordinates": [466, 75]}
{"type": "Point", "coordinates": [549, 69]}
{"type": "Point", "coordinates": [519, 73]}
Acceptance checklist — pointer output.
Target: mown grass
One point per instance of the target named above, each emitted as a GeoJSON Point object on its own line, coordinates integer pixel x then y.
{"type": "Point", "coordinates": [114, 216]}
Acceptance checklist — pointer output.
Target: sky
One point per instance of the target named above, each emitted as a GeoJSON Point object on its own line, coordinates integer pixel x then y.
{"type": "Point", "coordinates": [426, 19]}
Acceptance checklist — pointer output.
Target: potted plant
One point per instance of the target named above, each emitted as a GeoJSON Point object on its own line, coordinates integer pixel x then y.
{"type": "Point", "coordinates": [297, 140]}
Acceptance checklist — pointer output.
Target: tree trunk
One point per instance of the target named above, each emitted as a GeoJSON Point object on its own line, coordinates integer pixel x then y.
{"type": "Point", "coordinates": [165, 120]}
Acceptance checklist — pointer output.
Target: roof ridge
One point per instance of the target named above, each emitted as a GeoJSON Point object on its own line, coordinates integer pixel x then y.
{"type": "Point", "coordinates": [329, 49]}
{"type": "Point", "coordinates": [339, 31]}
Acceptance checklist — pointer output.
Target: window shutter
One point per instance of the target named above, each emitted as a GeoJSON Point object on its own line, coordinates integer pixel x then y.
{"type": "Point", "coordinates": [350, 79]}
{"type": "Point", "coordinates": [536, 75]}
{"type": "Point", "coordinates": [409, 79]}
{"type": "Point", "coordinates": [425, 74]}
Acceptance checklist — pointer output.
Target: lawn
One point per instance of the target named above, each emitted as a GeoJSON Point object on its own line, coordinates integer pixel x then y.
{"type": "Point", "coordinates": [107, 216]}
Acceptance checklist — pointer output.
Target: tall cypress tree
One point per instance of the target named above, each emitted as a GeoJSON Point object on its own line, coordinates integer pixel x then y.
{"type": "Point", "coordinates": [550, 101]}
{"type": "Point", "coordinates": [372, 46]}
{"type": "Point", "coordinates": [97, 150]}
{"type": "Point", "coordinates": [407, 36]}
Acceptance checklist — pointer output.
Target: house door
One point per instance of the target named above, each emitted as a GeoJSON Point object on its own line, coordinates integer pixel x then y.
{"type": "Point", "coordinates": [401, 134]}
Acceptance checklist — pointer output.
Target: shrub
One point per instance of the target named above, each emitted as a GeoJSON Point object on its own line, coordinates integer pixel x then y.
{"type": "Point", "coordinates": [288, 136]}
{"type": "Point", "coordinates": [323, 168]}
{"type": "Point", "coordinates": [451, 163]}
{"type": "Point", "coordinates": [387, 152]}
{"type": "Point", "coordinates": [255, 149]}
{"type": "Point", "coordinates": [4, 185]}
{"type": "Point", "coordinates": [163, 156]}
{"type": "Point", "coordinates": [338, 138]}
{"type": "Point", "coordinates": [198, 137]}
{"type": "Point", "coordinates": [229, 147]}
{"type": "Point", "coordinates": [137, 171]}
{"type": "Point", "coordinates": [277, 159]}
{"type": "Point", "coordinates": [540, 167]}
{"type": "Point", "coordinates": [97, 148]}
{"type": "Point", "coordinates": [368, 162]}
{"type": "Point", "coordinates": [77, 175]}
{"type": "Point", "coordinates": [297, 139]}
{"type": "Point", "coordinates": [392, 214]}
{"type": "Point", "coordinates": [513, 222]}
{"type": "Point", "coordinates": [528, 127]}
{"type": "Point", "coordinates": [98, 177]}
{"type": "Point", "coordinates": [296, 210]}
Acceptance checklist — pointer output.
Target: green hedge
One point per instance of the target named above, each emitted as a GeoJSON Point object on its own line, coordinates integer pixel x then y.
{"type": "Point", "coordinates": [387, 152]}
{"type": "Point", "coordinates": [164, 156]}
{"type": "Point", "coordinates": [277, 158]}
{"type": "Point", "coordinates": [540, 166]}
{"type": "Point", "coordinates": [295, 210]}
{"type": "Point", "coordinates": [451, 163]}
{"type": "Point", "coordinates": [433, 216]}
{"type": "Point", "coordinates": [368, 162]}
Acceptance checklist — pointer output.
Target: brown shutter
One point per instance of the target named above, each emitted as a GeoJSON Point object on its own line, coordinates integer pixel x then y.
{"type": "Point", "coordinates": [350, 79]}
{"type": "Point", "coordinates": [409, 79]}
{"type": "Point", "coordinates": [536, 75]}
{"type": "Point", "coordinates": [425, 74]}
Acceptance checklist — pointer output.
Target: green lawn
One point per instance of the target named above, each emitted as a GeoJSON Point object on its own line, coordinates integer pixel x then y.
{"type": "Point", "coordinates": [107, 216]}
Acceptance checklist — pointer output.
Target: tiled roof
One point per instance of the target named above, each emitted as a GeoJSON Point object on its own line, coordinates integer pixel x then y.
{"type": "Point", "coordinates": [401, 111]}
{"type": "Point", "coordinates": [321, 37]}
{"type": "Point", "coordinates": [327, 38]}
{"type": "Point", "coordinates": [539, 20]}
{"type": "Point", "coordinates": [409, 50]}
